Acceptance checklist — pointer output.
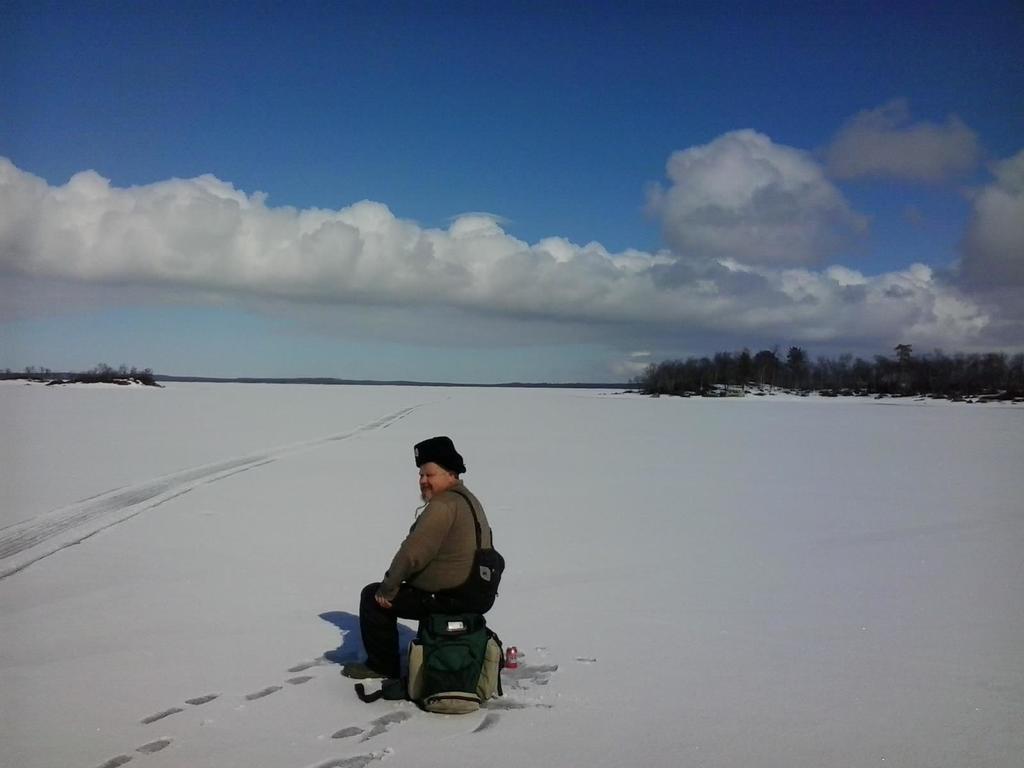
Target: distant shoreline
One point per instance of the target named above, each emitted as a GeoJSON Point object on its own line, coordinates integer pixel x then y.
{"type": "Point", "coordinates": [721, 392]}
{"type": "Point", "coordinates": [329, 381]}
{"type": "Point", "coordinates": [69, 378]}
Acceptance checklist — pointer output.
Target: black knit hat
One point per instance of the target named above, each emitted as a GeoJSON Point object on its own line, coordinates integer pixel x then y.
{"type": "Point", "coordinates": [441, 451]}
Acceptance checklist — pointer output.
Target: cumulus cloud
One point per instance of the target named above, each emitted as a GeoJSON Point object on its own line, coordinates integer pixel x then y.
{"type": "Point", "coordinates": [203, 237]}
{"type": "Point", "coordinates": [991, 268]}
{"type": "Point", "coordinates": [884, 142]}
{"type": "Point", "coordinates": [994, 244]}
{"type": "Point", "coordinates": [746, 198]}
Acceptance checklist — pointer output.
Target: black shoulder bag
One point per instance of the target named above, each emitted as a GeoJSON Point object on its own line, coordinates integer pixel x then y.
{"type": "Point", "coordinates": [479, 591]}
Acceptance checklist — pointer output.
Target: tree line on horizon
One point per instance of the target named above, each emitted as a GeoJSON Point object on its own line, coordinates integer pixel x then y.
{"type": "Point", "coordinates": [101, 373]}
{"type": "Point", "coordinates": [936, 374]}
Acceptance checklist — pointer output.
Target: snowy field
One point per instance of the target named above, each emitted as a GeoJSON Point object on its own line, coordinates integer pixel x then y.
{"type": "Point", "coordinates": [733, 584]}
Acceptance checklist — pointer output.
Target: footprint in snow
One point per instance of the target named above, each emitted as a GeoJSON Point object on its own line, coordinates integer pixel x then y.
{"type": "Point", "coordinates": [303, 666]}
{"type": "Point", "coordinates": [154, 746]}
{"type": "Point", "coordinates": [161, 715]}
{"type": "Point", "coordinates": [145, 749]}
{"type": "Point", "coordinates": [357, 761]}
{"type": "Point", "coordinates": [383, 723]}
{"type": "Point", "coordinates": [199, 700]}
{"type": "Point", "coordinates": [525, 675]}
{"type": "Point", "coordinates": [377, 726]}
{"type": "Point", "coordinates": [263, 692]}
{"type": "Point", "coordinates": [344, 733]}
{"type": "Point", "coordinates": [298, 680]}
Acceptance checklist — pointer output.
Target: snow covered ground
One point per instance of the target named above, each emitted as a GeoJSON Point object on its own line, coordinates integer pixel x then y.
{"type": "Point", "coordinates": [756, 583]}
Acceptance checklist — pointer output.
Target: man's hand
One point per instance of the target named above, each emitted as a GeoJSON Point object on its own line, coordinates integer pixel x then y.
{"type": "Point", "coordinates": [383, 602]}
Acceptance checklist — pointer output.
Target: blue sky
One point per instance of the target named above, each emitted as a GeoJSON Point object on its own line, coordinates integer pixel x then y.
{"type": "Point", "coordinates": [819, 153]}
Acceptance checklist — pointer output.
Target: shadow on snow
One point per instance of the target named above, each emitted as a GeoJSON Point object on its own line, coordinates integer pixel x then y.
{"type": "Point", "coordinates": [351, 646]}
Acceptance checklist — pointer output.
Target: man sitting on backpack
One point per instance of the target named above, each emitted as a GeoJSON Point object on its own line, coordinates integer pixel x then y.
{"type": "Point", "coordinates": [434, 560]}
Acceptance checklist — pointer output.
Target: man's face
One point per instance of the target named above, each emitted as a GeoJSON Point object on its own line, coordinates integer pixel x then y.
{"type": "Point", "coordinates": [434, 479]}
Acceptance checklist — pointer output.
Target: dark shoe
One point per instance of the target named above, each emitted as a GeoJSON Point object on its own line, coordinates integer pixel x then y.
{"type": "Point", "coordinates": [358, 670]}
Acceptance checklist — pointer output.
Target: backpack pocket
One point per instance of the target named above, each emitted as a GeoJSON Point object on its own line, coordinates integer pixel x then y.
{"type": "Point", "coordinates": [415, 679]}
{"type": "Point", "coordinates": [489, 683]}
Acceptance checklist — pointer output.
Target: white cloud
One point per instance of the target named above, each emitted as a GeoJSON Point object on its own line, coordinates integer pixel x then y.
{"type": "Point", "coordinates": [745, 198]}
{"type": "Point", "coordinates": [991, 268]}
{"type": "Point", "coordinates": [202, 237]}
{"type": "Point", "coordinates": [994, 244]}
{"type": "Point", "coordinates": [628, 369]}
{"type": "Point", "coordinates": [483, 217]}
{"type": "Point", "coordinates": [883, 142]}
{"type": "Point", "coordinates": [635, 364]}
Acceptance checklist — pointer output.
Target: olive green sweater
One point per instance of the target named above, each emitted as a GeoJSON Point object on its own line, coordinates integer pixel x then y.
{"type": "Point", "coordinates": [438, 552]}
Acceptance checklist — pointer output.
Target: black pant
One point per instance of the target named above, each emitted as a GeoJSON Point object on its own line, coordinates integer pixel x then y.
{"type": "Point", "coordinates": [379, 626]}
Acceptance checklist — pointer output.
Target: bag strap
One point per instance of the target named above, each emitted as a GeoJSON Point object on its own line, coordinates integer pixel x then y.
{"type": "Point", "coordinates": [365, 697]}
{"type": "Point", "coordinates": [476, 520]}
{"type": "Point", "coordinates": [391, 690]}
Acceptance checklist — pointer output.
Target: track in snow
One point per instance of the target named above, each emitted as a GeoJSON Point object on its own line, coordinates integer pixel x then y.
{"type": "Point", "coordinates": [24, 543]}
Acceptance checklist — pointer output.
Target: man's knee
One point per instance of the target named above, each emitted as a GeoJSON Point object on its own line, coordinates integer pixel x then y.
{"type": "Point", "coordinates": [368, 599]}
{"type": "Point", "coordinates": [368, 596]}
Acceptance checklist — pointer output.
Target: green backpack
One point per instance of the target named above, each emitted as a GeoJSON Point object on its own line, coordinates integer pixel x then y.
{"type": "Point", "coordinates": [455, 663]}
{"type": "Point", "coordinates": [455, 666]}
